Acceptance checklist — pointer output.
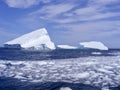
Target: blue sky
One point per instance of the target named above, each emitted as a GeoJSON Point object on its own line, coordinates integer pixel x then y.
{"type": "Point", "coordinates": [67, 21]}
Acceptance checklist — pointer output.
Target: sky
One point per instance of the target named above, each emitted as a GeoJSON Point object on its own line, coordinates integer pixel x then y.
{"type": "Point", "coordinates": [67, 21]}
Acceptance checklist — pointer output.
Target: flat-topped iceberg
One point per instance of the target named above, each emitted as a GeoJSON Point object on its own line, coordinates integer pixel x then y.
{"type": "Point", "coordinates": [37, 39]}
{"type": "Point", "coordinates": [94, 45]}
{"type": "Point", "coordinates": [66, 47]}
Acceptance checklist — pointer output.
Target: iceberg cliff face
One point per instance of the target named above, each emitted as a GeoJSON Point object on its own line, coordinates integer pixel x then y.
{"type": "Point", "coordinates": [34, 39]}
{"type": "Point", "coordinates": [94, 45]}
{"type": "Point", "coordinates": [66, 47]}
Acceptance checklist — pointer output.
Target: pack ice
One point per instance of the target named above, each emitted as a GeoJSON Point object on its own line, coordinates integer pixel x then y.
{"type": "Point", "coordinates": [34, 40]}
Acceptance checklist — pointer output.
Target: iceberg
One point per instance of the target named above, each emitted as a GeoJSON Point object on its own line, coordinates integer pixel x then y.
{"type": "Point", "coordinates": [37, 39]}
{"type": "Point", "coordinates": [66, 47]}
{"type": "Point", "coordinates": [94, 45]}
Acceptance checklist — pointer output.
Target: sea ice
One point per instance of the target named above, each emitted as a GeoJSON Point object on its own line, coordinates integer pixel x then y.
{"type": "Point", "coordinates": [65, 88]}
{"type": "Point", "coordinates": [94, 45]}
{"type": "Point", "coordinates": [98, 71]}
{"type": "Point", "coordinates": [66, 47]}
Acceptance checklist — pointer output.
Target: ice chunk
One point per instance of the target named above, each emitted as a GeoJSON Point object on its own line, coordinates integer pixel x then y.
{"type": "Point", "coordinates": [34, 39]}
{"type": "Point", "coordinates": [96, 53]}
{"type": "Point", "coordinates": [82, 75]}
{"type": "Point", "coordinates": [66, 47]}
{"type": "Point", "coordinates": [65, 88]}
{"type": "Point", "coordinates": [94, 45]}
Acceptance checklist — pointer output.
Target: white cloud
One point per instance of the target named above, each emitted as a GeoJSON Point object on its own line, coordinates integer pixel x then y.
{"type": "Point", "coordinates": [90, 30]}
{"type": "Point", "coordinates": [86, 17]}
{"type": "Point", "coordinates": [46, 14]}
{"type": "Point", "coordinates": [70, 13]}
{"type": "Point", "coordinates": [24, 3]}
{"type": "Point", "coordinates": [52, 11]}
{"type": "Point", "coordinates": [94, 10]}
{"type": "Point", "coordinates": [86, 10]}
{"type": "Point", "coordinates": [102, 2]}
{"type": "Point", "coordinates": [99, 16]}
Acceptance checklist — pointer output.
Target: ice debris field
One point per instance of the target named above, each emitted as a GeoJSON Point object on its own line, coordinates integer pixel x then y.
{"type": "Point", "coordinates": [96, 71]}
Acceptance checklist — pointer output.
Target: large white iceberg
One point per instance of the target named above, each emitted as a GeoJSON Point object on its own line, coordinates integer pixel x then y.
{"type": "Point", "coordinates": [66, 47]}
{"type": "Point", "coordinates": [94, 45]}
{"type": "Point", "coordinates": [36, 39]}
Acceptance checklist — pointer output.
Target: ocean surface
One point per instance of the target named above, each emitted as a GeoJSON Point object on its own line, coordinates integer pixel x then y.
{"type": "Point", "coordinates": [81, 69]}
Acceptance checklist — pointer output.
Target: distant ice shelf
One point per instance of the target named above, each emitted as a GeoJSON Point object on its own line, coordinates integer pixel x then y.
{"type": "Point", "coordinates": [66, 47]}
{"type": "Point", "coordinates": [37, 39]}
{"type": "Point", "coordinates": [94, 45]}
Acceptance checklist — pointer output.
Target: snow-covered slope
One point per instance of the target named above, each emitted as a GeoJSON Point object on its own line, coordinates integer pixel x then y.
{"type": "Point", "coordinates": [94, 45]}
{"type": "Point", "coordinates": [66, 47]}
{"type": "Point", "coordinates": [34, 40]}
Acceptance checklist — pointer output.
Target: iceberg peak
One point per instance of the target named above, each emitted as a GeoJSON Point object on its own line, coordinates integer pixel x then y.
{"type": "Point", "coordinates": [34, 40]}
{"type": "Point", "coordinates": [42, 30]}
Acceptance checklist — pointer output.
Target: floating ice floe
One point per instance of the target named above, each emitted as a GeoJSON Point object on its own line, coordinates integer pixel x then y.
{"type": "Point", "coordinates": [66, 47]}
{"type": "Point", "coordinates": [96, 53]}
{"type": "Point", "coordinates": [65, 88]}
{"type": "Point", "coordinates": [94, 45]}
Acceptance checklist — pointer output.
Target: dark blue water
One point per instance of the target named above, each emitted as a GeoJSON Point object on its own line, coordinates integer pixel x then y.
{"type": "Point", "coordinates": [14, 54]}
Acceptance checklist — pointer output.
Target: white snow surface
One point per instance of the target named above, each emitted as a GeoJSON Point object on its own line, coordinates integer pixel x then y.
{"type": "Point", "coordinates": [98, 71]}
{"type": "Point", "coordinates": [34, 39]}
{"type": "Point", "coordinates": [94, 45]}
{"type": "Point", "coordinates": [66, 47]}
